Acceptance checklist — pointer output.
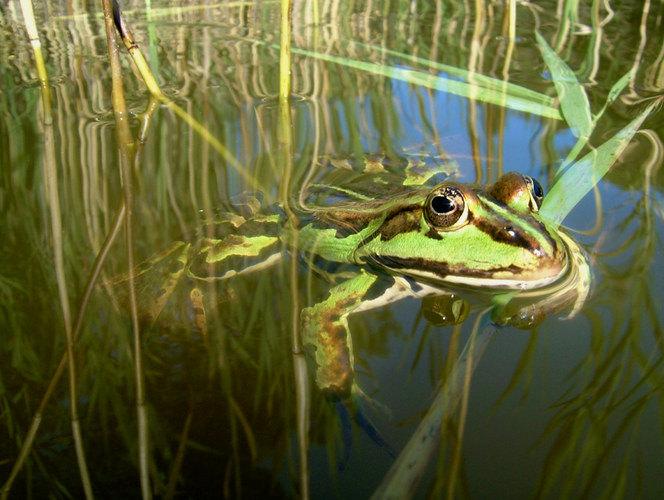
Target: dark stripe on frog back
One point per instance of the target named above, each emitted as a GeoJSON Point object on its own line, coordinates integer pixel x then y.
{"type": "Point", "coordinates": [344, 222]}
{"type": "Point", "coordinates": [440, 269]}
{"type": "Point", "coordinates": [400, 219]}
{"type": "Point", "coordinates": [404, 220]}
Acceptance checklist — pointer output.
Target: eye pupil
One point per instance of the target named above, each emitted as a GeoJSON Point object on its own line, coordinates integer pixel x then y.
{"type": "Point", "coordinates": [536, 192]}
{"type": "Point", "coordinates": [537, 189]}
{"type": "Point", "coordinates": [442, 204]}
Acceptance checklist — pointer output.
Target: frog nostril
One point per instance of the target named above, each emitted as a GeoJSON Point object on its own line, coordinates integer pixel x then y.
{"type": "Point", "coordinates": [509, 233]}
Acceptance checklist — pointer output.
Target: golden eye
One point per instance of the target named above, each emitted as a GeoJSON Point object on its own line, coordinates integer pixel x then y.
{"type": "Point", "coordinates": [446, 208]}
{"type": "Point", "coordinates": [536, 192]}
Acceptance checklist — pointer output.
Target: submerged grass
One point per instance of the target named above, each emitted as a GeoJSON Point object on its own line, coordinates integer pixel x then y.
{"type": "Point", "coordinates": [52, 189]}
{"type": "Point", "coordinates": [228, 395]}
{"type": "Point", "coordinates": [467, 84]}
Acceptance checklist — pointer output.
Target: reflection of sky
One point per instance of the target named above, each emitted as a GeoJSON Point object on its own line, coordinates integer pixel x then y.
{"type": "Point", "coordinates": [448, 115]}
{"type": "Point", "coordinates": [426, 116]}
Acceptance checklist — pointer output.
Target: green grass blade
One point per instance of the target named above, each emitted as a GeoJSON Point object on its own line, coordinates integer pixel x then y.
{"type": "Point", "coordinates": [619, 86]}
{"type": "Point", "coordinates": [573, 99]}
{"type": "Point", "coordinates": [479, 89]}
{"type": "Point", "coordinates": [583, 175]}
{"type": "Point", "coordinates": [488, 82]}
{"type": "Point", "coordinates": [615, 91]}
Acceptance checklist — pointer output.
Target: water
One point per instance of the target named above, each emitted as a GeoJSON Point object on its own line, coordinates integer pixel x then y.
{"type": "Point", "coordinates": [569, 409]}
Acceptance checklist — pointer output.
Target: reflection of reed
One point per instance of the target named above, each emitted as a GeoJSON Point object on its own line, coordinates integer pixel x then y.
{"type": "Point", "coordinates": [213, 61]}
{"type": "Point", "coordinates": [52, 197]}
{"type": "Point", "coordinates": [201, 65]}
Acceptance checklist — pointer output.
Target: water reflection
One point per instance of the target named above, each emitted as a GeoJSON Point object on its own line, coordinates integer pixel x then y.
{"type": "Point", "coordinates": [567, 409]}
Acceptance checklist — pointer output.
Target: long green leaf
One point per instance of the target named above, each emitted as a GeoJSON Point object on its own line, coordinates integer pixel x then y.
{"type": "Point", "coordinates": [573, 99]}
{"type": "Point", "coordinates": [616, 90]}
{"type": "Point", "coordinates": [488, 82]}
{"type": "Point", "coordinates": [478, 89]}
{"type": "Point", "coordinates": [581, 177]}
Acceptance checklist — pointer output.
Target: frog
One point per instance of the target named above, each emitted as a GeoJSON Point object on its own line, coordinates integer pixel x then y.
{"type": "Point", "coordinates": [413, 235]}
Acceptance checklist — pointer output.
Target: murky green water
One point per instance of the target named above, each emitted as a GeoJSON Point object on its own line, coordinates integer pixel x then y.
{"type": "Point", "coordinates": [572, 408]}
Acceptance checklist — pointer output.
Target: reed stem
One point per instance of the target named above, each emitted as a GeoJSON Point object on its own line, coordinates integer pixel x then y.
{"type": "Point", "coordinates": [127, 159]}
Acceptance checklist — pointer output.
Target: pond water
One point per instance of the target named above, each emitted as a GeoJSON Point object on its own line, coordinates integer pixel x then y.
{"type": "Point", "coordinates": [565, 408]}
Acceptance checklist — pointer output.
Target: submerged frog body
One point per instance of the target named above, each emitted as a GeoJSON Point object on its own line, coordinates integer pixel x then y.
{"type": "Point", "coordinates": [487, 237]}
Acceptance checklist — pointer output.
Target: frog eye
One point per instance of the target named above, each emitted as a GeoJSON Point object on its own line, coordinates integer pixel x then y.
{"type": "Point", "coordinates": [446, 208]}
{"type": "Point", "coordinates": [536, 192]}
{"type": "Point", "coordinates": [519, 192]}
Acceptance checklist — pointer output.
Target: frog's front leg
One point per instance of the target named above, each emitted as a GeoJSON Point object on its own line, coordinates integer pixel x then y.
{"type": "Point", "coordinates": [325, 326]}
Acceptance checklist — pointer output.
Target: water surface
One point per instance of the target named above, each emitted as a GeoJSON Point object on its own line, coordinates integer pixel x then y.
{"type": "Point", "coordinates": [567, 409]}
